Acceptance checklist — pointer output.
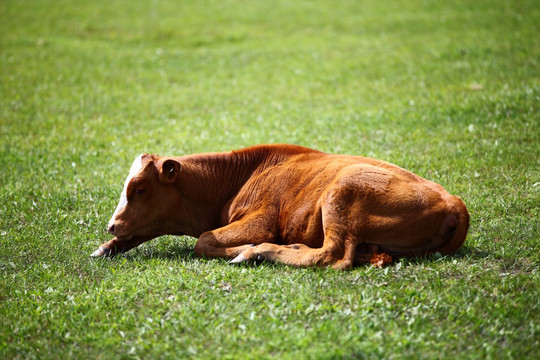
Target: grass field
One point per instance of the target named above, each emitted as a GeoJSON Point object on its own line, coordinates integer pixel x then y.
{"type": "Point", "coordinates": [447, 89]}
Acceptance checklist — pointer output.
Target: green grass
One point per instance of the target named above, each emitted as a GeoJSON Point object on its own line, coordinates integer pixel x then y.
{"type": "Point", "coordinates": [449, 90]}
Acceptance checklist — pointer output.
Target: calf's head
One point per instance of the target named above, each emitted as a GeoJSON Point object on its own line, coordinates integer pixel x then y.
{"type": "Point", "coordinates": [146, 202]}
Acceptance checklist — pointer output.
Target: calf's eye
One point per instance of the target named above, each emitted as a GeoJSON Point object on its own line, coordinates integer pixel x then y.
{"type": "Point", "coordinates": [139, 192]}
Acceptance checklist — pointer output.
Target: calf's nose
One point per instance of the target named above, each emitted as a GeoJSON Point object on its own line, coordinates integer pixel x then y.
{"type": "Point", "coordinates": [111, 229]}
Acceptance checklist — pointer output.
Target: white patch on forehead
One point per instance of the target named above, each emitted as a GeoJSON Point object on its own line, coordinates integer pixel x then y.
{"type": "Point", "coordinates": [136, 167]}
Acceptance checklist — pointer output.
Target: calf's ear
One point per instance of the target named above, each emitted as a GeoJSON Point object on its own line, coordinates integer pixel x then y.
{"type": "Point", "coordinates": [168, 171]}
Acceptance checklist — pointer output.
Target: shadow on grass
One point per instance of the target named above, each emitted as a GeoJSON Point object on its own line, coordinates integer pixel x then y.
{"type": "Point", "coordinates": [470, 252]}
{"type": "Point", "coordinates": [465, 252]}
{"type": "Point", "coordinates": [182, 248]}
{"type": "Point", "coordinates": [166, 249]}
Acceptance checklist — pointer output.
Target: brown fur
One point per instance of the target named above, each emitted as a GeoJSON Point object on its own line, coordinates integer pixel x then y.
{"type": "Point", "coordinates": [297, 206]}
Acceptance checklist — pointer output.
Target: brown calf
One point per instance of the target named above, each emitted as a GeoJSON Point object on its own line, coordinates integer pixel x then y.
{"type": "Point", "coordinates": [286, 203]}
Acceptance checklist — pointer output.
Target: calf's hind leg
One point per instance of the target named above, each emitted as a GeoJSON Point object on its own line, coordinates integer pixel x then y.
{"type": "Point", "coordinates": [339, 255]}
{"type": "Point", "coordinates": [338, 250]}
{"type": "Point", "coordinates": [339, 245]}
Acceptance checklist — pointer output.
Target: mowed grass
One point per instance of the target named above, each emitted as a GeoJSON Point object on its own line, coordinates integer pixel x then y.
{"type": "Point", "coordinates": [449, 90]}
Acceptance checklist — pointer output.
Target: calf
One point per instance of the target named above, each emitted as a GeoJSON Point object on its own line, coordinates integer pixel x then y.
{"type": "Point", "coordinates": [288, 204]}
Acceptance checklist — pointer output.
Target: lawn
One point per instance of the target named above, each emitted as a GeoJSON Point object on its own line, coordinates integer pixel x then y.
{"type": "Point", "coordinates": [447, 89]}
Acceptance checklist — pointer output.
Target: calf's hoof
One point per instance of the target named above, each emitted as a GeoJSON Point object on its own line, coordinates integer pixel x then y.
{"type": "Point", "coordinates": [101, 252]}
{"type": "Point", "coordinates": [242, 258]}
{"type": "Point", "coordinates": [239, 259]}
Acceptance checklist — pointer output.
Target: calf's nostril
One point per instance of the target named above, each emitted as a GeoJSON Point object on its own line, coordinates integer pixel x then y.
{"type": "Point", "coordinates": [111, 229]}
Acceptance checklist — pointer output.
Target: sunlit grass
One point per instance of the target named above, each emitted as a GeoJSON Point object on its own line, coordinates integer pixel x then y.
{"type": "Point", "coordinates": [447, 90]}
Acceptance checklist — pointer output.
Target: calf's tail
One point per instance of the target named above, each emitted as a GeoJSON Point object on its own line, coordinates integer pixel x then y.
{"type": "Point", "coordinates": [455, 227]}
{"type": "Point", "coordinates": [451, 235]}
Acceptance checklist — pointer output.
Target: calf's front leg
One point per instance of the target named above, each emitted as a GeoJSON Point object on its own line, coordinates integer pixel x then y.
{"type": "Point", "coordinates": [118, 246]}
{"type": "Point", "coordinates": [231, 240]}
